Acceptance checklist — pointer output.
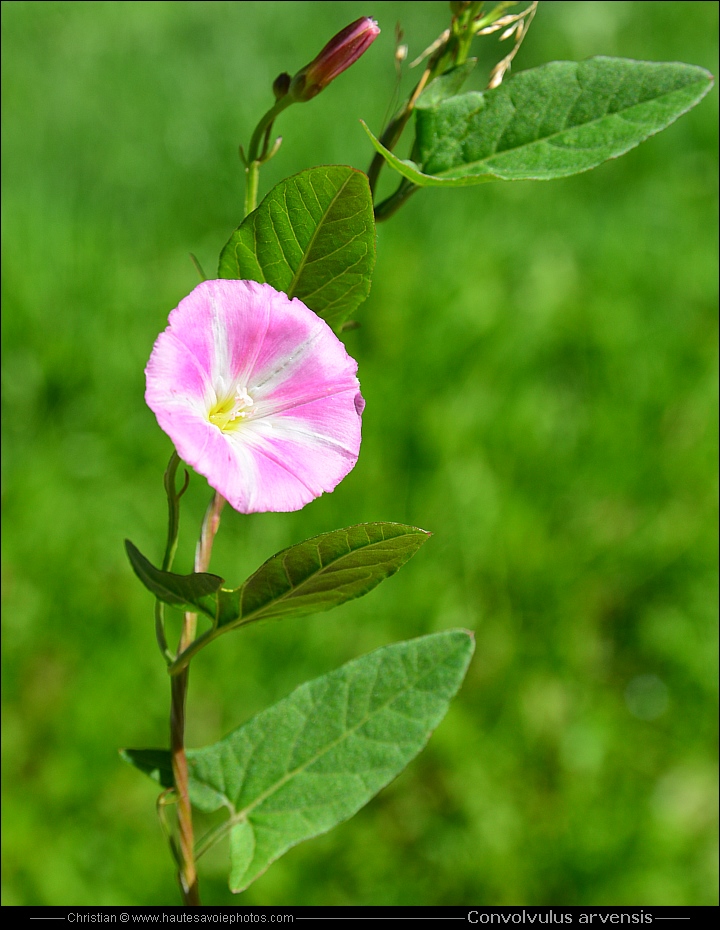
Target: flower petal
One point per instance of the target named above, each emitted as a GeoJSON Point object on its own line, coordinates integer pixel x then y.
{"type": "Point", "coordinates": [298, 430]}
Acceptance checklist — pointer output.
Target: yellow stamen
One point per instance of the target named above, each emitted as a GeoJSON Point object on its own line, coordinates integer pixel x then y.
{"type": "Point", "coordinates": [227, 414]}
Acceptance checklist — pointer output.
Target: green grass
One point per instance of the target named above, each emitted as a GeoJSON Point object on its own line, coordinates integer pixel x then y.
{"type": "Point", "coordinates": [540, 368]}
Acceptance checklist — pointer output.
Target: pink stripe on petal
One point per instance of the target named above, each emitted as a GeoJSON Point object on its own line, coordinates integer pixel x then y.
{"type": "Point", "coordinates": [330, 420]}
{"type": "Point", "coordinates": [223, 323]}
{"type": "Point", "coordinates": [316, 455]}
{"type": "Point", "coordinates": [240, 321]}
{"type": "Point", "coordinates": [322, 368]}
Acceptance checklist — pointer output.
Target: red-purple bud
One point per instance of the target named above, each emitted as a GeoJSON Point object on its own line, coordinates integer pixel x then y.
{"type": "Point", "coordinates": [342, 50]}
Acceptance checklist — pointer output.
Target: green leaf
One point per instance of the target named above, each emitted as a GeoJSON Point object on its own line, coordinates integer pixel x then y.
{"type": "Point", "coordinates": [314, 575]}
{"type": "Point", "coordinates": [153, 762]}
{"type": "Point", "coordinates": [327, 570]}
{"type": "Point", "coordinates": [312, 237]}
{"type": "Point", "coordinates": [550, 122]}
{"type": "Point", "coordinates": [312, 760]}
{"type": "Point", "coordinates": [189, 592]}
{"type": "Point", "coordinates": [412, 171]}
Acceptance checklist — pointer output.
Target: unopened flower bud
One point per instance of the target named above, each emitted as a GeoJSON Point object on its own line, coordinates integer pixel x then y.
{"type": "Point", "coordinates": [342, 50]}
{"type": "Point", "coordinates": [281, 85]}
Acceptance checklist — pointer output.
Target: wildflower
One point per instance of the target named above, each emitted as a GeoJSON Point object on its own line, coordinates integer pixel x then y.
{"type": "Point", "coordinates": [257, 394]}
{"type": "Point", "coordinates": [342, 50]}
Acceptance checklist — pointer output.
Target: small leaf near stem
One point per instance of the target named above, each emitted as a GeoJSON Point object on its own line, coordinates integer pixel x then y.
{"type": "Point", "coordinates": [462, 30]}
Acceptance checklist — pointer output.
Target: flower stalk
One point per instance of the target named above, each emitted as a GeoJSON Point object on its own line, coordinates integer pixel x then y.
{"type": "Point", "coordinates": [260, 151]}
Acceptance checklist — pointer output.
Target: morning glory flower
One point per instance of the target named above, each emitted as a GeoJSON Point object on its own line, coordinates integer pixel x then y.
{"type": "Point", "coordinates": [257, 394]}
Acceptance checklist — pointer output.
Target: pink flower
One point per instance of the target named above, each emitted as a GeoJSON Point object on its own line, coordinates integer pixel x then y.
{"type": "Point", "coordinates": [258, 395]}
{"type": "Point", "coordinates": [341, 51]}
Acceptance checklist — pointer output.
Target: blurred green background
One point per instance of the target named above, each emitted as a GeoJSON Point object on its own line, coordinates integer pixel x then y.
{"type": "Point", "coordinates": [539, 363]}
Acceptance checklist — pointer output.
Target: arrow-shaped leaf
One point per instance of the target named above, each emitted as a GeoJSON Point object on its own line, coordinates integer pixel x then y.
{"type": "Point", "coordinates": [189, 592]}
{"type": "Point", "coordinates": [315, 758]}
{"type": "Point", "coordinates": [314, 575]}
{"type": "Point", "coordinates": [312, 237]}
{"type": "Point", "coordinates": [156, 763]}
{"type": "Point", "coordinates": [549, 122]}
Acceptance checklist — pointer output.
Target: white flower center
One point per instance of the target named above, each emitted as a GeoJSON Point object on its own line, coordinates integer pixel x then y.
{"type": "Point", "coordinates": [228, 413]}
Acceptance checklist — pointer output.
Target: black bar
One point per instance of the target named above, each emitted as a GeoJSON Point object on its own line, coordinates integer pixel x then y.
{"type": "Point", "coordinates": [475, 915]}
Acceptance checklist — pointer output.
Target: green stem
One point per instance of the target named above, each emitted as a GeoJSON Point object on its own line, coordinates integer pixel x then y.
{"type": "Point", "coordinates": [464, 32]}
{"type": "Point", "coordinates": [252, 180]}
{"type": "Point", "coordinates": [183, 658]}
{"type": "Point", "coordinates": [263, 126]}
{"type": "Point", "coordinates": [212, 836]}
{"type": "Point", "coordinates": [173, 497]}
{"type": "Point", "coordinates": [258, 152]}
{"type": "Point", "coordinates": [389, 206]}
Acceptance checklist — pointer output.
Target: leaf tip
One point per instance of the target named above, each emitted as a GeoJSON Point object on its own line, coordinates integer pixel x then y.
{"type": "Point", "coordinates": [425, 534]}
{"type": "Point", "coordinates": [130, 549]}
{"type": "Point", "coordinates": [470, 636]}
